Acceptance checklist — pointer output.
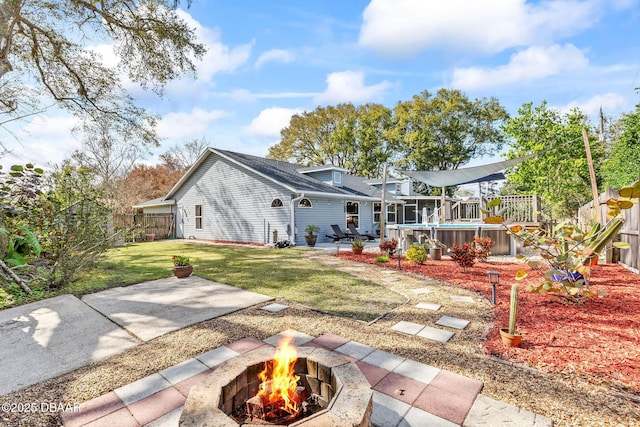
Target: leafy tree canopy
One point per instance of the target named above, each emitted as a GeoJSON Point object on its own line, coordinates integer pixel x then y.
{"type": "Point", "coordinates": [559, 172]}
{"type": "Point", "coordinates": [447, 130]}
{"type": "Point", "coordinates": [623, 163]}
{"type": "Point", "coordinates": [45, 60]}
{"type": "Point", "coordinates": [347, 136]}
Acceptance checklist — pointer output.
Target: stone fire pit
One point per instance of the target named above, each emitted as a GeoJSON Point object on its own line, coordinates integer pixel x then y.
{"type": "Point", "coordinates": [338, 382]}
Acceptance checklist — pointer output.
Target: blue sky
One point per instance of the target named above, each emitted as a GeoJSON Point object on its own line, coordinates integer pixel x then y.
{"type": "Point", "coordinates": [268, 60]}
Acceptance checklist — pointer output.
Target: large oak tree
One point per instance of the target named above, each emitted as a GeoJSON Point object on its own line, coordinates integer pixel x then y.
{"type": "Point", "coordinates": [46, 60]}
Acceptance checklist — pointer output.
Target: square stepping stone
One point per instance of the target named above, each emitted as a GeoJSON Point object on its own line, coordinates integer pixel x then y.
{"type": "Point", "coordinates": [417, 417]}
{"type": "Point", "coordinates": [452, 322]}
{"type": "Point", "coordinates": [435, 334]}
{"type": "Point", "coordinates": [407, 327]}
{"type": "Point", "coordinates": [459, 298]}
{"type": "Point", "coordinates": [390, 272]}
{"type": "Point", "coordinates": [274, 308]}
{"type": "Point", "coordinates": [390, 279]}
{"type": "Point", "coordinates": [428, 282]}
{"type": "Point", "coordinates": [428, 306]}
{"type": "Point", "coordinates": [421, 291]}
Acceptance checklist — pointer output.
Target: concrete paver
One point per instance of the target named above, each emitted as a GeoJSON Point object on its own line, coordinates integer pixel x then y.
{"type": "Point", "coordinates": [48, 338]}
{"type": "Point", "coordinates": [217, 356]}
{"type": "Point", "coordinates": [487, 412]}
{"type": "Point", "coordinates": [428, 306]}
{"type": "Point", "coordinates": [398, 399]}
{"type": "Point", "coordinates": [452, 322]}
{"type": "Point", "coordinates": [417, 371]}
{"type": "Point", "coordinates": [142, 388]}
{"type": "Point", "coordinates": [435, 334]}
{"type": "Point", "coordinates": [355, 349]}
{"type": "Point", "coordinates": [384, 359]}
{"type": "Point", "coordinates": [184, 370]}
{"type": "Point", "coordinates": [407, 327]}
{"type": "Point", "coordinates": [275, 308]}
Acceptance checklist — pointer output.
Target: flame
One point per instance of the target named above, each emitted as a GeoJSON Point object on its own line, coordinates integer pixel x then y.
{"type": "Point", "coordinates": [279, 381]}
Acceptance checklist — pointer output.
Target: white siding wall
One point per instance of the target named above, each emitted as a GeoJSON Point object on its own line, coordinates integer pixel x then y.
{"type": "Point", "coordinates": [236, 204]}
{"type": "Point", "coordinates": [322, 214]}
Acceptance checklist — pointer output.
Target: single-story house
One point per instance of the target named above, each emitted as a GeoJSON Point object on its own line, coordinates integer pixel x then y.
{"type": "Point", "coordinates": [233, 197]}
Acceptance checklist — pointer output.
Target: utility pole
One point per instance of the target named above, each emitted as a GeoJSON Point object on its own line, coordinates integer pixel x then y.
{"type": "Point", "coordinates": [383, 208]}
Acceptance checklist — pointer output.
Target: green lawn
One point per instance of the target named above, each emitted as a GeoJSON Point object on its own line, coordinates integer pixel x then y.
{"type": "Point", "coordinates": [281, 273]}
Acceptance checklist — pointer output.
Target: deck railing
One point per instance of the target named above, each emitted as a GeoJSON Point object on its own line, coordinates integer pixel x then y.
{"type": "Point", "coordinates": [522, 209]}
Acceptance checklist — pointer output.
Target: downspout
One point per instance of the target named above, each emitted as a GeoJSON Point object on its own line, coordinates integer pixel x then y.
{"type": "Point", "coordinates": [292, 237]}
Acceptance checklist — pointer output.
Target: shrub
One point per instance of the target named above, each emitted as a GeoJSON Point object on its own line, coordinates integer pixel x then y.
{"type": "Point", "coordinates": [483, 247]}
{"type": "Point", "coordinates": [389, 246]}
{"type": "Point", "coordinates": [382, 259]}
{"type": "Point", "coordinates": [417, 253]}
{"type": "Point", "coordinates": [464, 255]}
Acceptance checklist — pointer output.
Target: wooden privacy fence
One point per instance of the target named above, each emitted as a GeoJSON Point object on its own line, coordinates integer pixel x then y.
{"type": "Point", "coordinates": [630, 232]}
{"type": "Point", "coordinates": [161, 225]}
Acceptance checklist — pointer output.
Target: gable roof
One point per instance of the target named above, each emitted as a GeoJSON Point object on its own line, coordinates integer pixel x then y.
{"type": "Point", "coordinates": [287, 175]}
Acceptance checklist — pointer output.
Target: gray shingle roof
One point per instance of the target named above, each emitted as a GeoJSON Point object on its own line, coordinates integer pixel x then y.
{"type": "Point", "coordinates": [288, 174]}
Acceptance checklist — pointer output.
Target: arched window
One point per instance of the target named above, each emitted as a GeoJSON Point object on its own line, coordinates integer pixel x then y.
{"type": "Point", "coordinates": [276, 203]}
{"type": "Point", "coordinates": [304, 203]}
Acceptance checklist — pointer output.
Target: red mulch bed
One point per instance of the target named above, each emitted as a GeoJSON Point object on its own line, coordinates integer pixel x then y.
{"type": "Point", "coordinates": [600, 338]}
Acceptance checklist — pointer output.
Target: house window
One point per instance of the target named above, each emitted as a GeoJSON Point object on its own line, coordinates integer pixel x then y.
{"type": "Point", "coordinates": [410, 213]}
{"type": "Point", "coordinates": [391, 213]}
{"type": "Point", "coordinates": [353, 215]}
{"type": "Point", "coordinates": [304, 203]}
{"type": "Point", "coordinates": [276, 203]}
{"type": "Point", "coordinates": [198, 217]}
{"type": "Point", "coordinates": [337, 178]}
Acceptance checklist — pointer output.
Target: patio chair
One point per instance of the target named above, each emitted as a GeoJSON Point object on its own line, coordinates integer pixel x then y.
{"type": "Point", "coordinates": [354, 231]}
{"type": "Point", "coordinates": [338, 234]}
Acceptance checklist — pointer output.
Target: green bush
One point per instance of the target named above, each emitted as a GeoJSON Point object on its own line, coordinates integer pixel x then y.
{"type": "Point", "coordinates": [382, 259]}
{"type": "Point", "coordinates": [417, 253]}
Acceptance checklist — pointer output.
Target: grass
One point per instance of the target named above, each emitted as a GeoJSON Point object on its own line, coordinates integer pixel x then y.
{"type": "Point", "coordinates": [279, 273]}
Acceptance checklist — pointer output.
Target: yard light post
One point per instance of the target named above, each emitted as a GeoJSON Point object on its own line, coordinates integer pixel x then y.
{"type": "Point", "coordinates": [337, 248]}
{"type": "Point", "coordinates": [494, 278]}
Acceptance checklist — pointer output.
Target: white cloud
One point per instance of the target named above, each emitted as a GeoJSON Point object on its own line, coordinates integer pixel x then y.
{"type": "Point", "coordinates": [525, 66]}
{"type": "Point", "coordinates": [187, 125]}
{"type": "Point", "coordinates": [271, 121]}
{"type": "Point", "coordinates": [43, 140]}
{"type": "Point", "coordinates": [348, 86]}
{"type": "Point", "coordinates": [403, 28]}
{"type": "Point", "coordinates": [274, 55]}
{"type": "Point", "coordinates": [611, 104]}
{"type": "Point", "coordinates": [219, 57]}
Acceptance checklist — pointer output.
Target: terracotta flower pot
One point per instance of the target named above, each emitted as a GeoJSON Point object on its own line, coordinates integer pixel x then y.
{"type": "Point", "coordinates": [182, 271]}
{"type": "Point", "coordinates": [357, 251]}
{"type": "Point", "coordinates": [508, 339]}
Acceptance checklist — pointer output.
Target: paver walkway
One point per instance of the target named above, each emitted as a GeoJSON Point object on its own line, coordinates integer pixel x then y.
{"type": "Point", "coordinates": [406, 393]}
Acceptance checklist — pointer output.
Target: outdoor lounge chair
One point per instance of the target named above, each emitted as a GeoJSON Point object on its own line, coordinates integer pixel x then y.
{"type": "Point", "coordinates": [354, 231]}
{"type": "Point", "coordinates": [338, 234]}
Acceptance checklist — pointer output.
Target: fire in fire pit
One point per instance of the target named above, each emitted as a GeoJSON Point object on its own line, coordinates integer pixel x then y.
{"type": "Point", "coordinates": [281, 398]}
{"type": "Point", "coordinates": [303, 386]}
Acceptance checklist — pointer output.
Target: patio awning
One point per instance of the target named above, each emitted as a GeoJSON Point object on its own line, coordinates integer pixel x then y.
{"type": "Point", "coordinates": [464, 175]}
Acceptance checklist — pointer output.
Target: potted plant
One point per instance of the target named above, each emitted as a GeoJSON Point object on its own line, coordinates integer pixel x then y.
{"type": "Point", "coordinates": [510, 336]}
{"type": "Point", "coordinates": [182, 266]}
{"type": "Point", "coordinates": [435, 247]}
{"type": "Point", "coordinates": [310, 237]}
{"type": "Point", "coordinates": [357, 246]}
